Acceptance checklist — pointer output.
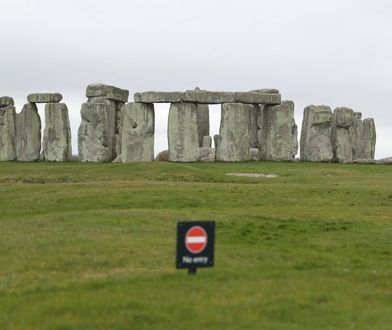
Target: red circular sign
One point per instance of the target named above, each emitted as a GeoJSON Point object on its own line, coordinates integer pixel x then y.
{"type": "Point", "coordinates": [196, 239]}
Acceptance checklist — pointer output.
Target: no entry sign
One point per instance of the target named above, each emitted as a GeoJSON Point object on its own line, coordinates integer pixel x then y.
{"type": "Point", "coordinates": [196, 239]}
{"type": "Point", "coordinates": [195, 244]}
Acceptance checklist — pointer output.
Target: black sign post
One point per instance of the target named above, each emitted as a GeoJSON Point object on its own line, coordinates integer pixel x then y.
{"type": "Point", "coordinates": [195, 245]}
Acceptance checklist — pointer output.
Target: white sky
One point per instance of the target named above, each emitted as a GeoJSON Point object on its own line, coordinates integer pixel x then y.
{"type": "Point", "coordinates": [331, 52]}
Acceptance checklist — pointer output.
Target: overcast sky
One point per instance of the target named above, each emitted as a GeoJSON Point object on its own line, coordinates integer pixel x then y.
{"type": "Point", "coordinates": [332, 52]}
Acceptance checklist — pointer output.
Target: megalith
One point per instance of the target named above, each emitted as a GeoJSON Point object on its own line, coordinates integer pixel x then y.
{"type": "Point", "coordinates": [203, 122]}
{"type": "Point", "coordinates": [57, 133]}
{"type": "Point", "coordinates": [355, 131]}
{"type": "Point", "coordinates": [234, 138]}
{"type": "Point", "coordinates": [96, 132]}
{"type": "Point", "coordinates": [368, 139]}
{"type": "Point", "coordinates": [343, 119]}
{"type": "Point", "coordinates": [7, 129]}
{"type": "Point", "coordinates": [137, 127]}
{"type": "Point", "coordinates": [115, 99]}
{"type": "Point", "coordinates": [28, 133]}
{"type": "Point", "coordinates": [316, 134]}
{"type": "Point", "coordinates": [112, 99]}
{"type": "Point", "coordinates": [183, 133]}
{"type": "Point", "coordinates": [278, 139]}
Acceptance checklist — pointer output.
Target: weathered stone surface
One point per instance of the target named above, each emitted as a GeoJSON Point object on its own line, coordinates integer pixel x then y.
{"type": "Point", "coordinates": [138, 124]}
{"type": "Point", "coordinates": [115, 124]}
{"type": "Point", "coordinates": [268, 96]}
{"type": "Point", "coordinates": [341, 142]}
{"type": "Point", "coordinates": [207, 142]}
{"type": "Point", "coordinates": [117, 142]}
{"type": "Point", "coordinates": [57, 134]}
{"type": "Point", "coordinates": [207, 154]}
{"type": "Point", "coordinates": [183, 133]}
{"type": "Point", "coordinates": [367, 140]}
{"type": "Point", "coordinates": [266, 90]}
{"type": "Point", "coordinates": [7, 133]}
{"type": "Point", "coordinates": [216, 141]}
{"type": "Point", "coordinates": [255, 154]}
{"type": "Point", "coordinates": [208, 97]}
{"type": "Point", "coordinates": [107, 91]}
{"type": "Point", "coordinates": [162, 156]}
{"type": "Point", "coordinates": [355, 135]}
{"type": "Point", "coordinates": [5, 101]}
{"type": "Point", "coordinates": [316, 134]}
{"type": "Point", "coordinates": [257, 98]}
{"type": "Point", "coordinates": [44, 98]}
{"type": "Point", "coordinates": [28, 133]}
{"type": "Point", "coordinates": [158, 97]}
{"type": "Point", "coordinates": [96, 132]}
{"type": "Point", "coordinates": [203, 122]}
{"type": "Point", "coordinates": [254, 126]}
{"type": "Point", "coordinates": [234, 135]}
{"type": "Point", "coordinates": [213, 97]}
{"type": "Point", "coordinates": [279, 133]}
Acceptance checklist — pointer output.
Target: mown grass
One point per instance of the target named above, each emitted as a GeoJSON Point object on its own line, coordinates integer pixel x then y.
{"type": "Point", "coordinates": [91, 246]}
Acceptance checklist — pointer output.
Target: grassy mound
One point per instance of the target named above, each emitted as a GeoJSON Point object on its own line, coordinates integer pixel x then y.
{"type": "Point", "coordinates": [87, 246]}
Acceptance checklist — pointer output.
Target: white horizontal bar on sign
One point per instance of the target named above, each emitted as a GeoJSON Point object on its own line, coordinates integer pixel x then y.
{"type": "Point", "coordinates": [196, 239]}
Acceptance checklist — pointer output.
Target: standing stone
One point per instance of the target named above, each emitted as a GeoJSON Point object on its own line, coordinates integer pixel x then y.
{"type": "Point", "coordinates": [343, 119]}
{"type": "Point", "coordinates": [115, 98]}
{"type": "Point", "coordinates": [5, 101]}
{"type": "Point", "coordinates": [7, 130]}
{"type": "Point", "coordinates": [203, 122]}
{"type": "Point", "coordinates": [162, 156]}
{"type": "Point", "coordinates": [216, 141]}
{"type": "Point", "coordinates": [253, 126]}
{"type": "Point", "coordinates": [28, 134]}
{"type": "Point", "coordinates": [138, 122]}
{"type": "Point", "coordinates": [207, 154]}
{"type": "Point", "coordinates": [96, 132]}
{"type": "Point", "coordinates": [279, 133]}
{"type": "Point", "coordinates": [368, 139]}
{"type": "Point", "coordinates": [207, 142]}
{"type": "Point", "coordinates": [316, 134]}
{"type": "Point", "coordinates": [355, 135]}
{"type": "Point", "coordinates": [117, 144]}
{"type": "Point", "coordinates": [234, 134]}
{"type": "Point", "coordinates": [183, 134]}
{"type": "Point", "coordinates": [57, 133]}
{"type": "Point", "coordinates": [114, 108]}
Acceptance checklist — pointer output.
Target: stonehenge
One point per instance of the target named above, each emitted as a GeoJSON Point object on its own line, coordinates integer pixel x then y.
{"type": "Point", "coordinates": [255, 126]}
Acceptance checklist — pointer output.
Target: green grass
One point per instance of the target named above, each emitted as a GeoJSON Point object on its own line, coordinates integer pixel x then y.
{"type": "Point", "coordinates": [92, 246]}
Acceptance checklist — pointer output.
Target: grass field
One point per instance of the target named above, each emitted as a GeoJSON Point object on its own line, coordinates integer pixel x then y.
{"type": "Point", "coordinates": [92, 246]}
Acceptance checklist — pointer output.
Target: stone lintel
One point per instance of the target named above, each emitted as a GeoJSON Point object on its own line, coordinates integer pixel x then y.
{"type": "Point", "coordinates": [107, 91]}
{"type": "Point", "coordinates": [257, 98]}
{"type": "Point", "coordinates": [44, 98]}
{"type": "Point", "coordinates": [209, 97]}
{"type": "Point", "coordinates": [158, 97]}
